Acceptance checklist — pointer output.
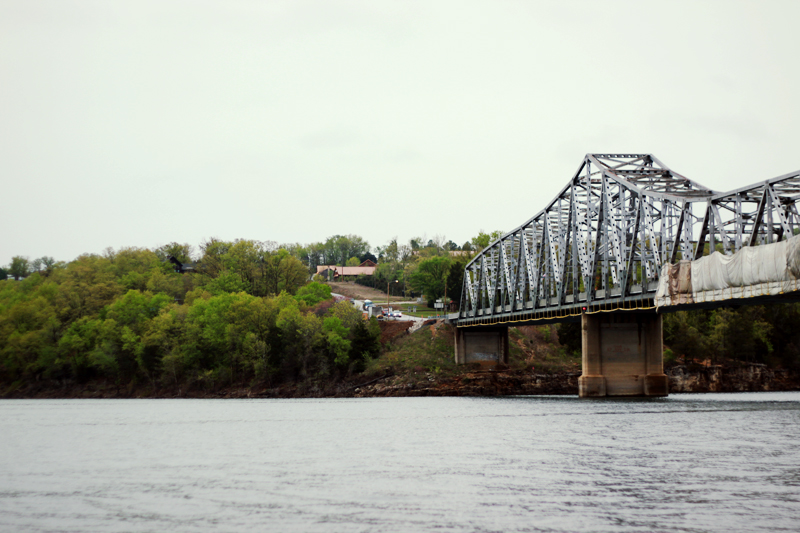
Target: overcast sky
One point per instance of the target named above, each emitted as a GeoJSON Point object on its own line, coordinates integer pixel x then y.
{"type": "Point", "coordinates": [138, 123]}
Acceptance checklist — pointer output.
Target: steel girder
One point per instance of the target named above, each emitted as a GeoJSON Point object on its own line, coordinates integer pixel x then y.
{"type": "Point", "coordinates": [762, 213]}
{"type": "Point", "coordinates": [605, 236]}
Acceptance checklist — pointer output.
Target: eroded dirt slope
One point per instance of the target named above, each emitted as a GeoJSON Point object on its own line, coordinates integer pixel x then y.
{"type": "Point", "coordinates": [359, 292]}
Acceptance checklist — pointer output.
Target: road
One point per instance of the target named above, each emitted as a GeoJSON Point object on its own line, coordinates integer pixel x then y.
{"type": "Point", "coordinates": [359, 304]}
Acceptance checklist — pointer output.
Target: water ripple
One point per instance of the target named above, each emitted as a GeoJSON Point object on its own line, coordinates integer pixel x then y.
{"type": "Point", "coordinates": [687, 463]}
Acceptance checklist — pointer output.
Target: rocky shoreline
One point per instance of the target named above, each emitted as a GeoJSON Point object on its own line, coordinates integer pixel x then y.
{"type": "Point", "coordinates": [747, 378]}
{"type": "Point", "coordinates": [719, 378]}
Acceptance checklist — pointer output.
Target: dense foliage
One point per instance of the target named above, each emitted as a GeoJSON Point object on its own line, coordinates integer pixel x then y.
{"type": "Point", "coordinates": [246, 316]}
{"type": "Point", "coordinates": [766, 334]}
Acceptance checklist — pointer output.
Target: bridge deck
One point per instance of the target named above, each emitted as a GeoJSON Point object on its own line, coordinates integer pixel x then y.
{"type": "Point", "coordinates": [573, 313]}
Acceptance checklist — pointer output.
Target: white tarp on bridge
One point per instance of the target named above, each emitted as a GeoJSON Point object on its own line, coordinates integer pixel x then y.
{"type": "Point", "coordinates": [769, 269]}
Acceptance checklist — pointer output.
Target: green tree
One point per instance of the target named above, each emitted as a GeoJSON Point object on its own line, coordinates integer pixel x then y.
{"type": "Point", "coordinates": [336, 337]}
{"type": "Point", "coordinates": [570, 335]}
{"type": "Point", "coordinates": [297, 338]}
{"type": "Point", "coordinates": [337, 249]}
{"type": "Point", "coordinates": [455, 280]}
{"type": "Point", "coordinates": [135, 308]}
{"type": "Point", "coordinates": [251, 266]}
{"type": "Point", "coordinates": [172, 283]}
{"type": "Point", "coordinates": [104, 358]}
{"type": "Point", "coordinates": [163, 345]}
{"type": "Point", "coordinates": [19, 267]}
{"type": "Point", "coordinates": [353, 262]}
{"type": "Point", "coordinates": [313, 293]}
{"type": "Point", "coordinates": [181, 252]}
{"type": "Point", "coordinates": [289, 273]}
{"type": "Point", "coordinates": [364, 343]}
{"type": "Point", "coordinates": [346, 313]}
{"type": "Point", "coordinates": [76, 343]}
{"type": "Point", "coordinates": [388, 272]}
{"type": "Point", "coordinates": [212, 261]}
{"type": "Point", "coordinates": [48, 262]}
{"type": "Point", "coordinates": [391, 251]}
{"type": "Point", "coordinates": [430, 277]}
{"type": "Point", "coordinates": [227, 282]}
{"type": "Point", "coordinates": [27, 331]}
{"type": "Point", "coordinates": [313, 255]}
{"type": "Point", "coordinates": [482, 240]}
{"type": "Point", "coordinates": [86, 286]}
{"type": "Point", "coordinates": [43, 264]}
{"type": "Point", "coordinates": [682, 333]}
{"type": "Point", "coordinates": [310, 350]}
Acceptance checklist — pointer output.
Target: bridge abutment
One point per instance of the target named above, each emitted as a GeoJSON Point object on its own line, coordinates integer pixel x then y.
{"type": "Point", "coordinates": [622, 355]}
{"type": "Point", "coordinates": [485, 345]}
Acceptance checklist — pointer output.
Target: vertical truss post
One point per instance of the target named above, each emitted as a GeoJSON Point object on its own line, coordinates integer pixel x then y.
{"type": "Point", "coordinates": [531, 268]}
{"type": "Point", "coordinates": [628, 273]}
{"type": "Point", "coordinates": [599, 243]}
{"type": "Point", "coordinates": [495, 279]}
{"type": "Point", "coordinates": [678, 233]}
{"type": "Point", "coordinates": [647, 208]}
{"type": "Point", "coordinates": [704, 230]}
{"type": "Point", "coordinates": [726, 242]}
{"type": "Point", "coordinates": [739, 223]}
{"type": "Point", "coordinates": [564, 245]}
{"type": "Point", "coordinates": [779, 209]}
{"type": "Point", "coordinates": [759, 217]}
{"type": "Point", "coordinates": [485, 284]}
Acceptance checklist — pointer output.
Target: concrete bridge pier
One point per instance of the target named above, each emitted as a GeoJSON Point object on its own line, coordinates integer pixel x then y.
{"type": "Point", "coordinates": [622, 355]}
{"type": "Point", "coordinates": [485, 345]}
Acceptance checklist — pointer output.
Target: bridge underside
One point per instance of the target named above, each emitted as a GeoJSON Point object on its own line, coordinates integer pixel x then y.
{"type": "Point", "coordinates": [622, 353]}
{"type": "Point", "coordinates": [622, 348]}
{"type": "Point", "coordinates": [554, 315]}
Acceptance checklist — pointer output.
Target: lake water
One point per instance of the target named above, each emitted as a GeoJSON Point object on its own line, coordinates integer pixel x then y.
{"type": "Point", "coordinates": [690, 462]}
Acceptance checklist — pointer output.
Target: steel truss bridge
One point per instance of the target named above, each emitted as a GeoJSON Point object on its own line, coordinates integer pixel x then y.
{"type": "Point", "coordinates": [601, 243]}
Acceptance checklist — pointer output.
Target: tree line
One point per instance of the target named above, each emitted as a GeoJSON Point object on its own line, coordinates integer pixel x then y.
{"type": "Point", "coordinates": [247, 315]}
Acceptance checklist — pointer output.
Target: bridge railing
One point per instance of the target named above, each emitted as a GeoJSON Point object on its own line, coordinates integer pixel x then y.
{"type": "Point", "coordinates": [601, 242]}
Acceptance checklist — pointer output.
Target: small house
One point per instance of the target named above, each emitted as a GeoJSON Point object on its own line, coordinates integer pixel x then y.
{"type": "Point", "coordinates": [181, 268]}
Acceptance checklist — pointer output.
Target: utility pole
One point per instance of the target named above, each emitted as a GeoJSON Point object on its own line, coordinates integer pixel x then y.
{"type": "Point", "coordinates": [387, 291]}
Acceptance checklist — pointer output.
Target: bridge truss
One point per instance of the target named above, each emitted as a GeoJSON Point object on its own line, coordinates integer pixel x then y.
{"type": "Point", "coordinates": [601, 243]}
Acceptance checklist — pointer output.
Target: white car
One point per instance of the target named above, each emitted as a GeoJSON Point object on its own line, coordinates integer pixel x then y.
{"type": "Point", "coordinates": [397, 314]}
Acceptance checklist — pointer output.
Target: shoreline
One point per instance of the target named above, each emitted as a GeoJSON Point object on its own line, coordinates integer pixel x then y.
{"type": "Point", "coordinates": [479, 383]}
